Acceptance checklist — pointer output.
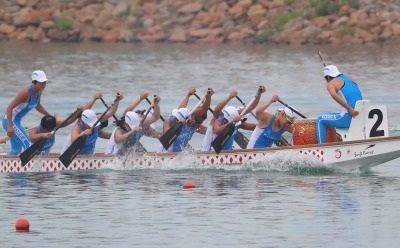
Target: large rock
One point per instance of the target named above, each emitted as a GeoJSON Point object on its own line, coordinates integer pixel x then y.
{"type": "Point", "coordinates": [120, 9]}
{"type": "Point", "coordinates": [256, 13]}
{"type": "Point", "coordinates": [6, 29]}
{"type": "Point", "coordinates": [191, 8]}
{"type": "Point", "coordinates": [177, 35]}
{"type": "Point", "coordinates": [396, 29]}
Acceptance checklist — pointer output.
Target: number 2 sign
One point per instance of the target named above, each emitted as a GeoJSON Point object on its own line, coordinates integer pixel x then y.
{"type": "Point", "coordinates": [376, 124]}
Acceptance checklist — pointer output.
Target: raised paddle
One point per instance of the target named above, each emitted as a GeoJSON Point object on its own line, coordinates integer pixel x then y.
{"type": "Point", "coordinates": [132, 138]}
{"type": "Point", "coordinates": [121, 125]}
{"type": "Point", "coordinates": [297, 112]}
{"type": "Point", "coordinates": [219, 142]}
{"type": "Point", "coordinates": [163, 120]}
{"type": "Point", "coordinates": [29, 153]}
{"type": "Point", "coordinates": [115, 118]}
{"type": "Point", "coordinates": [147, 99]}
{"type": "Point", "coordinates": [240, 138]}
{"type": "Point", "coordinates": [279, 142]}
{"type": "Point", "coordinates": [338, 136]}
{"type": "Point", "coordinates": [172, 134]}
{"type": "Point", "coordinates": [73, 150]}
{"type": "Point", "coordinates": [322, 60]}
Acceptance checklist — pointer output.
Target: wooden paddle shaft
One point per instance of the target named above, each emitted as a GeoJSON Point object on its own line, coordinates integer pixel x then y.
{"type": "Point", "coordinates": [147, 99]}
{"type": "Point", "coordinates": [297, 112]}
{"type": "Point", "coordinates": [320, 56]}
{"type": "Point", "coordinates": [240, 100]}
{"type": "Point", "coordinates": [6, 138]}
{"type": "Point", "coordinates": [248, 105]}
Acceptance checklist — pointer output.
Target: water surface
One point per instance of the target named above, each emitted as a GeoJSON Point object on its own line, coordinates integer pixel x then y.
{"type": "Point", "coordinates": [277, 203]}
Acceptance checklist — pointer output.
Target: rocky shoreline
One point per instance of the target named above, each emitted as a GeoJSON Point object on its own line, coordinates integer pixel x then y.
{"type": "Point", "coordinates": [299, 22]}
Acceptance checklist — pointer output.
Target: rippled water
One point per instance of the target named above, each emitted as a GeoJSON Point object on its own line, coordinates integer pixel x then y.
{"type": "Point", "coordinates": [275, 204]}
{"type": "Point", "coordinates": [227, 209]}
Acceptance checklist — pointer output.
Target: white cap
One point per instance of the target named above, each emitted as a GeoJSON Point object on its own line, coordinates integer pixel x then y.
{"type": "Point", "coordinates": [181, 113]}
{"type": "Point", "coordinates": [39, 76]}
{"type": "Point", "coordinates": [289, 112]}
{"type": "Point", "coordinates": [230, 113]}
{"type": "Point", "coordinates": [331, 71]}
{"type": "Point", "coordinates": [132, 119]}
{"type": "Point", "coordinates": [89, 117]}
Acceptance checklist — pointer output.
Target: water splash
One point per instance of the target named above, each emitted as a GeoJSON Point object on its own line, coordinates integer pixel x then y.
{"type": "Point", "coordinates": [281, 161]}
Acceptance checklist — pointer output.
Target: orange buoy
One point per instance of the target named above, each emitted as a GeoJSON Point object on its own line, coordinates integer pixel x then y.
{"type": "Point", "coordinates": [22, 225]}
{"type": "Point", "coordinates": [189, 185]}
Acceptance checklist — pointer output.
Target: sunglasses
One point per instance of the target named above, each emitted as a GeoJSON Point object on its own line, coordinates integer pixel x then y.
{"type": "Point", "coordinates": [289, 120]}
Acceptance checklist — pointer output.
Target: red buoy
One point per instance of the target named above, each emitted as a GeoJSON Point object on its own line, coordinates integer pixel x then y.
{"type": "Point", "coordinates": [22, 225]}
{"type": "Point", "coordinates": [189, 185]}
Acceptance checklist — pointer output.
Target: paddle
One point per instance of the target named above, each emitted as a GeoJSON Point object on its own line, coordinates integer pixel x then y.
{"type": "Point", "coordinates": [322, 60]}
{"type": "Point", "coordinates": [172, 134]}
{"type": "Point", "coordinates": [302, 116]}
{"type": "Point", "coordinates": [240, 138]}
{"type": "Point", "coordinates": [163, 120]}
{"type": "Point", "coordinates": [219, 142]}
{"type": "Point", "coordinates": [132, 139]}
{"type": "Point", "coordinates": [29, 153]}
{"type": "Point", "coordinates": [147, 99]}
{"type": "Point", "coordinates": [73, 150]}
{"type": "Point", "coordinates": [115, 118]}
{"type": "Point", "coordinates": [6, 138]}
{"type": "Point", "coordinates": [279, 142]}
{"type": "Point", "coordinates": [121, 125]}
{"type": "Point", "coordinates": [338, 136]}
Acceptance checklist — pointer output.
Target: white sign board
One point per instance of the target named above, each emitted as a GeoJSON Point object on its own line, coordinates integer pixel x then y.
{"type": "Point", "coordinates": [376, 124]}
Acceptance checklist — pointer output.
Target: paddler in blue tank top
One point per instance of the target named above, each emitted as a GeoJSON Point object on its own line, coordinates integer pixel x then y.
{"type": "Point", "coordinates": [192, 123]}
{"type": "Point", "coordinates": [26, 100]}
{"type": "Point", "coordinates": [223, 115]}
{"type": "Point", "coordinates": [48, 123]}
{"type": "Point", "coordinates": [346, 93]}
{"type": "Point", "coordinates": [85, 123]}
{"type": "Point", "coordinates": [270, 127]}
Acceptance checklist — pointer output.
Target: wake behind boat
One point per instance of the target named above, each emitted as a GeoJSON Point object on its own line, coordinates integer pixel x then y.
{"type": "Point", "coordinates": [365, 144]}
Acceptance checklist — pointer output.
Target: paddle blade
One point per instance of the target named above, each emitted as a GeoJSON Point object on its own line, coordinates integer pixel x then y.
{"type": "Point", "coordinates": [241, 140]}
{"type": "Point", "coordinates": [170, 135]}
{"type": "Point", "coordinates": [129, 142]}
{"type": "Point", "coordinates": [29, 153]}
{"type": "Point", "coordinates": [68, 156]}
{"type": "Point", "coordinates": [219, 142]}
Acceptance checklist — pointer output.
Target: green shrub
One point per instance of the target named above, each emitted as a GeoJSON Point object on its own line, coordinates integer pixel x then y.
{"type": "Point", "coordinates": [355, 4]}
{"type": "Point", "coordinates": [329, 7]}
{"type": "Point", "coordinates": [282, 19]}
{"type": "Point", "coordinates": [264, 37]}
{"type": "Point", "coordinates": [138, 23]}
{"type": "Point", "coordinates": [347, 31]}
{"type": "Point", "coordinates": [64, 22]}
{"type": "Point", "coordinates": [380, 39]}
{"type": "Point", "coordinates": [324, 7]}
{"type": "Point", "coordinates": [277, 26]}
{"type": "Point", "coordinates": [289, 2]}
